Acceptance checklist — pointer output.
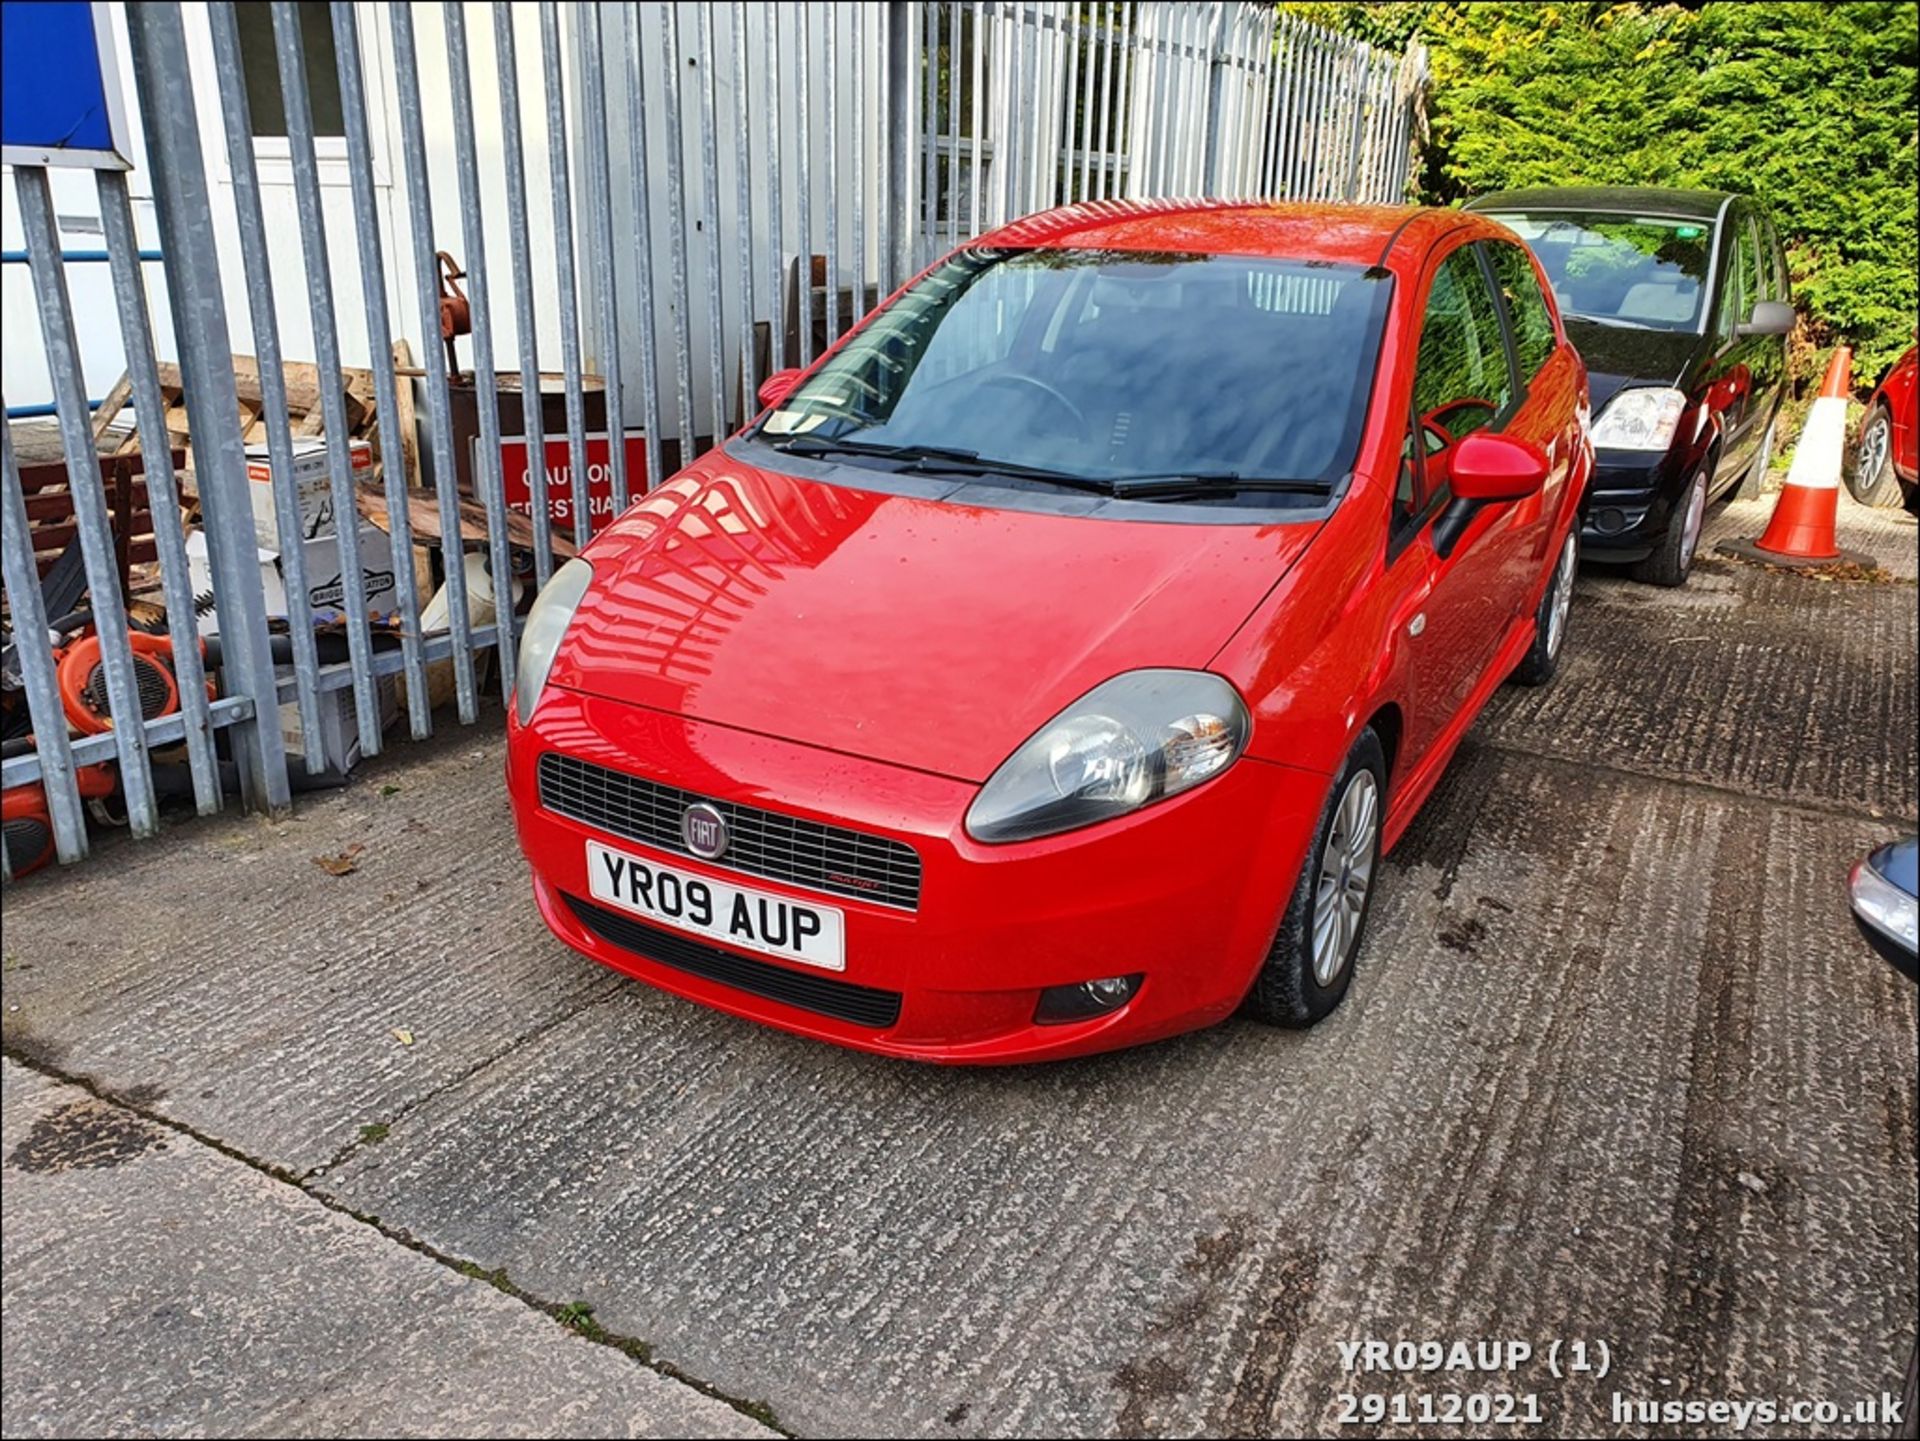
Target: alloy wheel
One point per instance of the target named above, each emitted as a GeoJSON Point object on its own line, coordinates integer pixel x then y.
{"type": "Point", "coordinates": [1346, 873]}
{"type": "Point", "coordinates": [1871, 458]}
{"type": "Point", "coordinates": [1563, 576]}
{"type": "Point", "coordinates": [1696, 518]}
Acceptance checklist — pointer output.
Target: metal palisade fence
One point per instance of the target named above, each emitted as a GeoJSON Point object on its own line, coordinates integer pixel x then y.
{"type": "Point", "coordinates": [628, 215]}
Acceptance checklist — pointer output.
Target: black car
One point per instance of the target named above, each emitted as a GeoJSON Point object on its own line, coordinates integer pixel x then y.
{"type": "Point", "coordinates": [1678, 301]}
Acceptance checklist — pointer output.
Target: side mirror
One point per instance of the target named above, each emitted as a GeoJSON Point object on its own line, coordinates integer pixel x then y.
{"type": "Point", "coordinates": [778, 386]}
{"type": "Point", "coordinates": [1770, 317]}
{"type": "Point", "coordinates": [1496, 467]}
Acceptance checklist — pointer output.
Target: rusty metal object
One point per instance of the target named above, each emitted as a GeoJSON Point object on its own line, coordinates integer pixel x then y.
{"type": "Point", "coordinates": [456, 315]}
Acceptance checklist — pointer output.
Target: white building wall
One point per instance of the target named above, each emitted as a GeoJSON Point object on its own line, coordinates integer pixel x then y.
{"type": "Point", "coordinates": [712, 251]}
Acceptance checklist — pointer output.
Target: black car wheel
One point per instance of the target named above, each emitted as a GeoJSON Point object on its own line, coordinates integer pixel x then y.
{"type": "Point", "coordinates": [1871, 477]}
{"type": "Point", "coordinates": [1550, 622]}
{"type": "Point", "coordinates": [1672, 558]}
{"type": "Point", "coordinates": [1310, 963]}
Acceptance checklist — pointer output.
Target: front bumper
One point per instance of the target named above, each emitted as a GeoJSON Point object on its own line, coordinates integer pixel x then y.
{"type": "Point", "coordinates": [1628, 506]}
{"type": "Point", "coordinates": [1187, 892]}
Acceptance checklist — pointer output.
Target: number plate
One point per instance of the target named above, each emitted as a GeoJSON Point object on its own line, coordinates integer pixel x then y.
{"type": "Point", "coordinates": [734, 915]}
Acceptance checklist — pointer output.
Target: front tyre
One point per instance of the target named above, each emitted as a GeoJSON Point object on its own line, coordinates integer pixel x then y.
{"type": "Point", "coordinates": [1550, 622]}
{"type": "Point", "coordinates": [1871, 478]}
{"type": "Point", "coordinates": [1672, 560]}
{"type": "Point", "coordinates": [1310, 963]}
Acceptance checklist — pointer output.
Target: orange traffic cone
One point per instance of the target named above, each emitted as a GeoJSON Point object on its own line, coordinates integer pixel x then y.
{"type": "Point", "coordinates": [1802, 529]}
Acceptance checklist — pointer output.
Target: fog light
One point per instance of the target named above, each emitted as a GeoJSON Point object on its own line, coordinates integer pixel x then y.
{"type": "Point", "coordinates": [1089, 998]}
{"type": "Point", "coordinates": [1610, 521]}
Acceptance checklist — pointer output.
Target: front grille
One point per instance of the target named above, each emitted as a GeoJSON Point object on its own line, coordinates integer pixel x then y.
{"type": "Point", "coordinates": [859, 1005]}
{"type": "Point", "coordinates": [760, 843]}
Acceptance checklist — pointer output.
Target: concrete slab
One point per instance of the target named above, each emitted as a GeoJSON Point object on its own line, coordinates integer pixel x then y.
{"type": "Point", "coordinates": [1584, 1016]}
{"type": "Point", "coordinates": [1888, 535]}
{"type": "Point", "coordinates": [1772, 685]}
{"type": "Point", "coordinates": [221, 972]}
{"type": "Point", "coordinates": [154, 1286]}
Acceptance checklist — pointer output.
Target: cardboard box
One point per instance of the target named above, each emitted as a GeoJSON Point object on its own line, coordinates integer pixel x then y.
{"type": "Point", "coordinates": [311, 486]}
{"type": "Point", "coordinates": [325, 591]}
{"type": "Point", "coordinates": [339, 724]}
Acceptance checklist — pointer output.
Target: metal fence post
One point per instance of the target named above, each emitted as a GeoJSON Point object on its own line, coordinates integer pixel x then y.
{"type": "Point", "coordinates": [710, 213]}
{"type": "Point", "coordinates": [532, 422]}
{"type": "Point", "coordinates": [386, 393]}
{"type": "Point", "coordinates": [89, 497]}
{"type": "Point", "coordinates": [677, 231]}
{"type": "Point", "coordinates": [163, 496]}
{"type": "Point", "coordinates": [599, 190]}
{"type": "Point", "coordinates": [903, 82]}
{"type": "Point", "coordinates": [486, 385]}
{"type": "Point", "coordinates": [290, 53]}
{"type": "Point", "coordinates": [413, 145]}
{"type": "Point", "coordinates": [168, 117]}
{"type": "Point", "coordinates": [568, 288]}
{"type": "Point", "coordinates": [36, 663]}
{"type": "Point", "coordinates": [255, 256]}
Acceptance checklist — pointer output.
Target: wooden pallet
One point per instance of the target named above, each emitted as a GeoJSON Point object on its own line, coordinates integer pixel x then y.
{"type": "Point", "coordinates": [305, 408]}
{"type": "Point", "coordinates": [50, 516]}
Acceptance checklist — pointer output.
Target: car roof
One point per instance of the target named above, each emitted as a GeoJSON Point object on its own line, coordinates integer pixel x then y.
{"type": "Point", "coordinates": [1607, 199]}
{"type": "Point", "coordinates": [1289, 230]}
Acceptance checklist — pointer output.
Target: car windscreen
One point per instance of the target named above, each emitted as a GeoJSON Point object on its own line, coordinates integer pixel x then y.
{"type": "Point", "coordinates": [1637, 271]}
{"type": "Point", "coordinates": [1111, 365]}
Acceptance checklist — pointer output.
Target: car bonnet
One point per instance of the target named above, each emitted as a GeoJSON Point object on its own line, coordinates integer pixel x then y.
{"type": "Point", "coordinates": [921, 632]}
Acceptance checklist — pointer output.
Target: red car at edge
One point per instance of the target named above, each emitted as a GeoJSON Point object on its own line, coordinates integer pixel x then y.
{"type": "Point", "coordinates": [1885, 467]}
{"type": "Point", "coordinates": [1048, 668]}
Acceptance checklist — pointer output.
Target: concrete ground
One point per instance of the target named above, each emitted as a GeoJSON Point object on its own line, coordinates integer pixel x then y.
{"type": "Point", "coordinates": [1615, 1069]}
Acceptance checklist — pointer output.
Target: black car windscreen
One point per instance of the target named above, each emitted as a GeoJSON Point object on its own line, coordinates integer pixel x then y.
{"type": "Point", "coordinates": [1643, 272]}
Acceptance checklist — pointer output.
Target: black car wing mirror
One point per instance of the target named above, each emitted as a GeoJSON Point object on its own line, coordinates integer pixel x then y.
{"type": "Point", "coordinates": [1770, 317]}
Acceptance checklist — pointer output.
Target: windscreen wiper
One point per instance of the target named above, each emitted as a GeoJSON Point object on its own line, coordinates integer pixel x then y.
{"type": "Point", "coordinates": [942, 460]}
{"type": "Point", "coordinates": [1612, 322]}
{"type": "Point", "coordinates": [1214, 482]}
{"type": "Point", "coordinates": [829, 445]}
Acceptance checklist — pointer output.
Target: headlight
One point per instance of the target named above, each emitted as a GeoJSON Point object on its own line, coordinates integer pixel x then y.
{"type": "Point", "coordinates": [1883, 905]}
{"type": "Point", "coordinates": [1136, 739]}
{"type": "Point", "coordinates": [1643, 418]}
{"type": "Point", "coordinates": [547, 622]}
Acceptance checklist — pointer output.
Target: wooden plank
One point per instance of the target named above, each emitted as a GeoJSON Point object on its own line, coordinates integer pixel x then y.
{"type": "Point", "coordinates": [45, 485]}
{"type": "Point", "coordinates": [56, 505]}
{"type": "Point", "coordinates": [409, 429]}
{"type": "Point", "coordinates": [141, 552]}
{"type": "Point", "coordinates": [423, 512]}
{"type": "Point", "coordinates": [115, 401]}
{"type": "Point", "coordinates": [302, 381]}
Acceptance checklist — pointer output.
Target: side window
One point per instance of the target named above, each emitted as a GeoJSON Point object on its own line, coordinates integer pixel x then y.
{"type": "Point", "coordinates": [1743, 277]}
{"type": "Point", "coordinates": [1462, 381]}
{"type": "Point", "coordinates": [1533, 337]}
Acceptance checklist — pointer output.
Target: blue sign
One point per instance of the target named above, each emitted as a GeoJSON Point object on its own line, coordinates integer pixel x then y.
{"type": "Point", "coordinates": [60, 86]}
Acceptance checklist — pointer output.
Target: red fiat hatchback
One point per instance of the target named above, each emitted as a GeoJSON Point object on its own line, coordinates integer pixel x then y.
{"type": "Point", "coordinates": [1047, 670]}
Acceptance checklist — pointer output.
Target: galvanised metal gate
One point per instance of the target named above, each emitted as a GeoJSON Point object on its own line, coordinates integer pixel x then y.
{"type": "Point", "coordinates": [675, 198]}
